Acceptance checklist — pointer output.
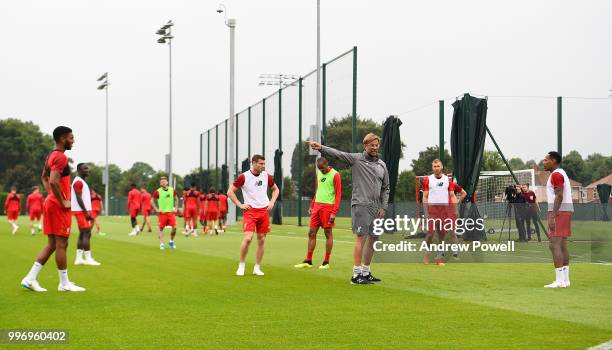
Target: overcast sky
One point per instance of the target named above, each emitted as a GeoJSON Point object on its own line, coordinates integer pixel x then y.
{"type": "Point", "coordinates": [411, 54]}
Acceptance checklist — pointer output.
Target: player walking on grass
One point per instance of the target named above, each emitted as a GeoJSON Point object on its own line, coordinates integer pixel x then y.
{"type": "Point", "coordinates": [12, 208]}
{"type": "Point", "coordinates": [203, 197]}
{"type": "Point", "coordinates": [211, 208]}
{"type": "Point", "coordinates": [56, 211]}
{"type": "Point", "coordinates": [560, 209]}
{"type": "Point", "coordinates": [167, 206]}
{"type": "Point", "coordinates": [368, 201]}
{"type": "Point", "coordinates": [133, 206]}
{"type": "Point", "coordinates": [96, 209]}
{"type": "Point", "coordinates": [81, 209]}
{"type": "Point", "coordinates": [190, 213]}
{"type": "Point", "coordinates": [222, 210]}
{"type": "Point", "coordinates": [146, 208]}
{"type": "Point", "coordinates": [254, 184]}
{"type": "Point", "coordinates": [323, 210]}
{"type": "Point", "coordinates": [34, 208]}
{"type": "Point", "coordinates": [439, 203]}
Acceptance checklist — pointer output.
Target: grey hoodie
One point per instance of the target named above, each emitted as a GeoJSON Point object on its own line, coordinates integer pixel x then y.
{"type": "Point", "coordinates": [370, 177]}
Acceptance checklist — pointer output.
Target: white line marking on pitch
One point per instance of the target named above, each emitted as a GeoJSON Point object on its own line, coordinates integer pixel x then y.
{"type": "Point", "coordinates": [603, 346]}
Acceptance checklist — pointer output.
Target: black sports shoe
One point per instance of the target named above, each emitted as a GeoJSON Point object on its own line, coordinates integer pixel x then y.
{"type": "Point", "coordinates": [371, 278]}
{"type": "Point", "coordinates": [359, 279]}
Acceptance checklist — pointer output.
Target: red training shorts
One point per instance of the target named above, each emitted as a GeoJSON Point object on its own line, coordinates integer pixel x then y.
{"type": "Point", "coordinates": [134, 212]}
{"type": "Point", "coordinates": [440, 218]}
{"type": "Point", "coordinates": [56, 220]}
{"type": "Point", "coordinates": [35, 214]}
{"type": "Point", "coordinates": [256, 220]}
{"type": "Point", "coordinates": [146, 212]}
{"type": "Point", "coordinates": [191, 212]}
{"type": "Point", "coordinates": [320, 216]}
{"type": "Point", "coordinates": [563, 224]}
{"type": "Point", "coordinates": [12, 214]}
{"type": "Point", "coordinates": [166, 219]}
{"type": "Point", "coordinates": [82, 222]}
{"type": "Point", "coordinates": [94, 214]}
{"type": "Point", "coordinates": [212, 215]}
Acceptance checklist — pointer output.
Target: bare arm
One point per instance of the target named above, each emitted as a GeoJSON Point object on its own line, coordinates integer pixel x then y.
{"type": "Point", "coordinates": [231, 194]}
{"type": "Point", "coordinates": [275, 192]}
{"type": "Point", "coordinates": [79, 198]}
{"type": "Point", "coordinates": [558, 200]}
{"type": "Point", "coordinates": [54, 185]}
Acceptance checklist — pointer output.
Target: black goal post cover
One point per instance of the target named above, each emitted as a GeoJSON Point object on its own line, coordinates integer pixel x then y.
{"type": "Point", "coordinates": [603, 190]}
{"type": "Point", "coordinates": [468, 136]}
{"type": "Point", "coordinates": [391, 149]}
{"type": "Point", "coordinates": [277, 213]}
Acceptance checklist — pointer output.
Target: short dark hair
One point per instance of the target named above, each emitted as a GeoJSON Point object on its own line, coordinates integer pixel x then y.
{"type": "Point", "coordinates": [193, 184]}
{"type": "Point", "coordinates": [60, 131]}
{"type": "Point", "coordinates": [13, 188]}
{"type": "Point", "coordinates": [321, 160]}
{"type": "Point", "coordinates": [80, 165]}
{"type": "Point", "coordinates": [526, 184]}
{"type": "Point", "coordinates": [212, 190]}
{"type": "Point", "coordinates": [555, 155]}
{"type": "Point", "coordinates": [257, 157]}
{"type": "Point", "coordinates": [133, 185]}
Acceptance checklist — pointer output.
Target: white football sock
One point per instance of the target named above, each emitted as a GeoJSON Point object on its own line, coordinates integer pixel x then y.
{"type": "Point", "coordinates": [79, 253]}
{"type": "Point", "coordinates": [356, 271]}
{"type": "Point", "coordinates": [365, 270]}
{"type": "Point", "coordinates": [87, 254]}
{"type": "Point", "coordinates": [34, 271]}
{"type": "Point", "coordinates": [63, 276]}
{"type": "Point", "coordinates": [241, 265]}
{"type": "Point", "coordinates": [560, 275]}
{"type": "Point", "coordinates": [566, 273]}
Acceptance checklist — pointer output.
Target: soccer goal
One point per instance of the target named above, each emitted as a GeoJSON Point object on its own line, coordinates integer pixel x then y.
{"type": "Point", "coordinates": [490, 191]}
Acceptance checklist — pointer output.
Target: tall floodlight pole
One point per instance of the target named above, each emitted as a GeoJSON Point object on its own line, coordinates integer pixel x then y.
{"type": "Point", "coordinates": [318, 71]}
{"type": "Point", "coordinates": [231, 24]}
{"type": "Point", "coordinates": [104, 86]}
{"type": "Point", "coordinates": [165, 33]}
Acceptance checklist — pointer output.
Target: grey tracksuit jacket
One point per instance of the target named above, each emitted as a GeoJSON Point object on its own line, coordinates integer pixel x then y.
{"type": "Point", "coordinates": [370, 177]}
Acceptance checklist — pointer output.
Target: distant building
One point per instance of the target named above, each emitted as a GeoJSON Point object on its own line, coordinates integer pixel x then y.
{"type": "Point", "coordinates": [589, 193]}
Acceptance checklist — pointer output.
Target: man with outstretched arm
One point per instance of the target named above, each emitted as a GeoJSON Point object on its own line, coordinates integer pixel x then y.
{"type": "Point", "coordinates": [368, 202]}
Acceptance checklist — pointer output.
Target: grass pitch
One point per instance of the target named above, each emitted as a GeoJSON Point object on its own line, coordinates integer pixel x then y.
{"type": "Point", "coordinates": [142, 298]}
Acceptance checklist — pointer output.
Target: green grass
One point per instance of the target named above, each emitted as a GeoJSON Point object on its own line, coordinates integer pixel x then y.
{"type": "Point", "coordinates": [142, 298]}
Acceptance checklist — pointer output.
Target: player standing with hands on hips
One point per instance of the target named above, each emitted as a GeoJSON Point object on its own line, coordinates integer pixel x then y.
{"type": "Point", "coordinates": [56, 210]}
{"type": "Point", "coordinates": [254, 184]}
{"type": "Point", "coordinates": [368, 202]}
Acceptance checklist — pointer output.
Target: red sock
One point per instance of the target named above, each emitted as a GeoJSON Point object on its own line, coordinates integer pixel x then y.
{"type": "Point", "coordinates": [309, 256]}
{"type": "Point", "coordinates": [327, 254]}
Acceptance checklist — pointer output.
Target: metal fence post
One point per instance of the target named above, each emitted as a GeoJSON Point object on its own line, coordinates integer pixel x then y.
{"type": "Point", "coordinates": [441, 131]}
{"type": "Point", "coordinates": [324, 104]}
{"type": "Point", "coordinates": [300, 159]}
{"type": "Point", "coordinates": [560, 125]}
{"type": "Point", "coordinates": [354, 124]}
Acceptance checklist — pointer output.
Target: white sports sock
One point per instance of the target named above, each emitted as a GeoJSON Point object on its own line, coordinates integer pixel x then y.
{"type": "Point", "coordinates": [356, 271]}
{"type": "Point", "coordinates": [14, 224]}
{"type": "Point", "coordinates": [87, 254]}
{"type": "Point", "coordinates": [560, 275]}
{"type": "Point", "coordinates": [40, 226]}
{"type": "Point", "coordinates": [256, 267]}
{"type": "Point", "coordinates": [241, 265]}
{"type": "Point", "coordinates": [365, 270]}
{"type": "Point", "coordinates": [79, 254]}
{"type": "Point", "coordinates": [566, 273]}
{"type": "Point", "coordinates": [34, 271]}
{"type": "Point", "coordinates": [63, 277]}
{"type": "Point", "coordinates": [32, 230]}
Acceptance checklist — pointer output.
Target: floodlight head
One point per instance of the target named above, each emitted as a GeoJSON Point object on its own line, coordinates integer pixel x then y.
{"type": "Point", "coordinates": [221, 8]}
{"type": "Point", "coordinates": [161, 40]}
{"type": "Point", "coordinates": [161, 31]}
{"type": "Point", "coordinates": [102, 86]}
